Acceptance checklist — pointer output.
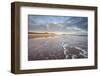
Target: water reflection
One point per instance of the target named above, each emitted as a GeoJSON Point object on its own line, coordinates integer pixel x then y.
{"type": "Point", "coordinates": [48, 47]}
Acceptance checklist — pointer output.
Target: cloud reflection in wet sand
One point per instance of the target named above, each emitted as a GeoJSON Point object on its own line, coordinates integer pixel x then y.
{"type": "Point", "coordinates": [57, 47]}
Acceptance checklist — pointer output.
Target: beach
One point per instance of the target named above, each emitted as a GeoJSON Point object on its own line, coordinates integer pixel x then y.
{"type": "Point", "coordinates": [51, 46]}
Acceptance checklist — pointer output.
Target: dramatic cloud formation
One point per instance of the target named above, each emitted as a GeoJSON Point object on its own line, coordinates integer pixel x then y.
{"type": "Point", "coordinates": [65, 24]}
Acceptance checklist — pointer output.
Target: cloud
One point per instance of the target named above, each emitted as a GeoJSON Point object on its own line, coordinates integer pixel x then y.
{"type": "Point", "coordinates": [57, 23]}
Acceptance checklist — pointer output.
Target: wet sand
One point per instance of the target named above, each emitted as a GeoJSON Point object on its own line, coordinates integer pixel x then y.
{"type": "Point", "coordinates": [51, 47]}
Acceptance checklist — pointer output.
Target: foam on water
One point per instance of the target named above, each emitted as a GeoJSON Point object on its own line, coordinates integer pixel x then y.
{"type": "Point", "coordinates": [78, 52]}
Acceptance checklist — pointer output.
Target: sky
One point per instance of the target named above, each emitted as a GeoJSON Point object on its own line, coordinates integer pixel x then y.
{"type": "Point", "coordinates": [61, 24]}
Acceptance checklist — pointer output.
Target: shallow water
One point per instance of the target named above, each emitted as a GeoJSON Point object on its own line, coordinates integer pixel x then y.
{"type": "Point", "coordinates": [58, 47]}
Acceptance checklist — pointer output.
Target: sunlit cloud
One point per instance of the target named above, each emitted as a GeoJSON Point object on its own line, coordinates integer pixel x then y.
{"type": "Point", "coordinates": [58, 24]}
